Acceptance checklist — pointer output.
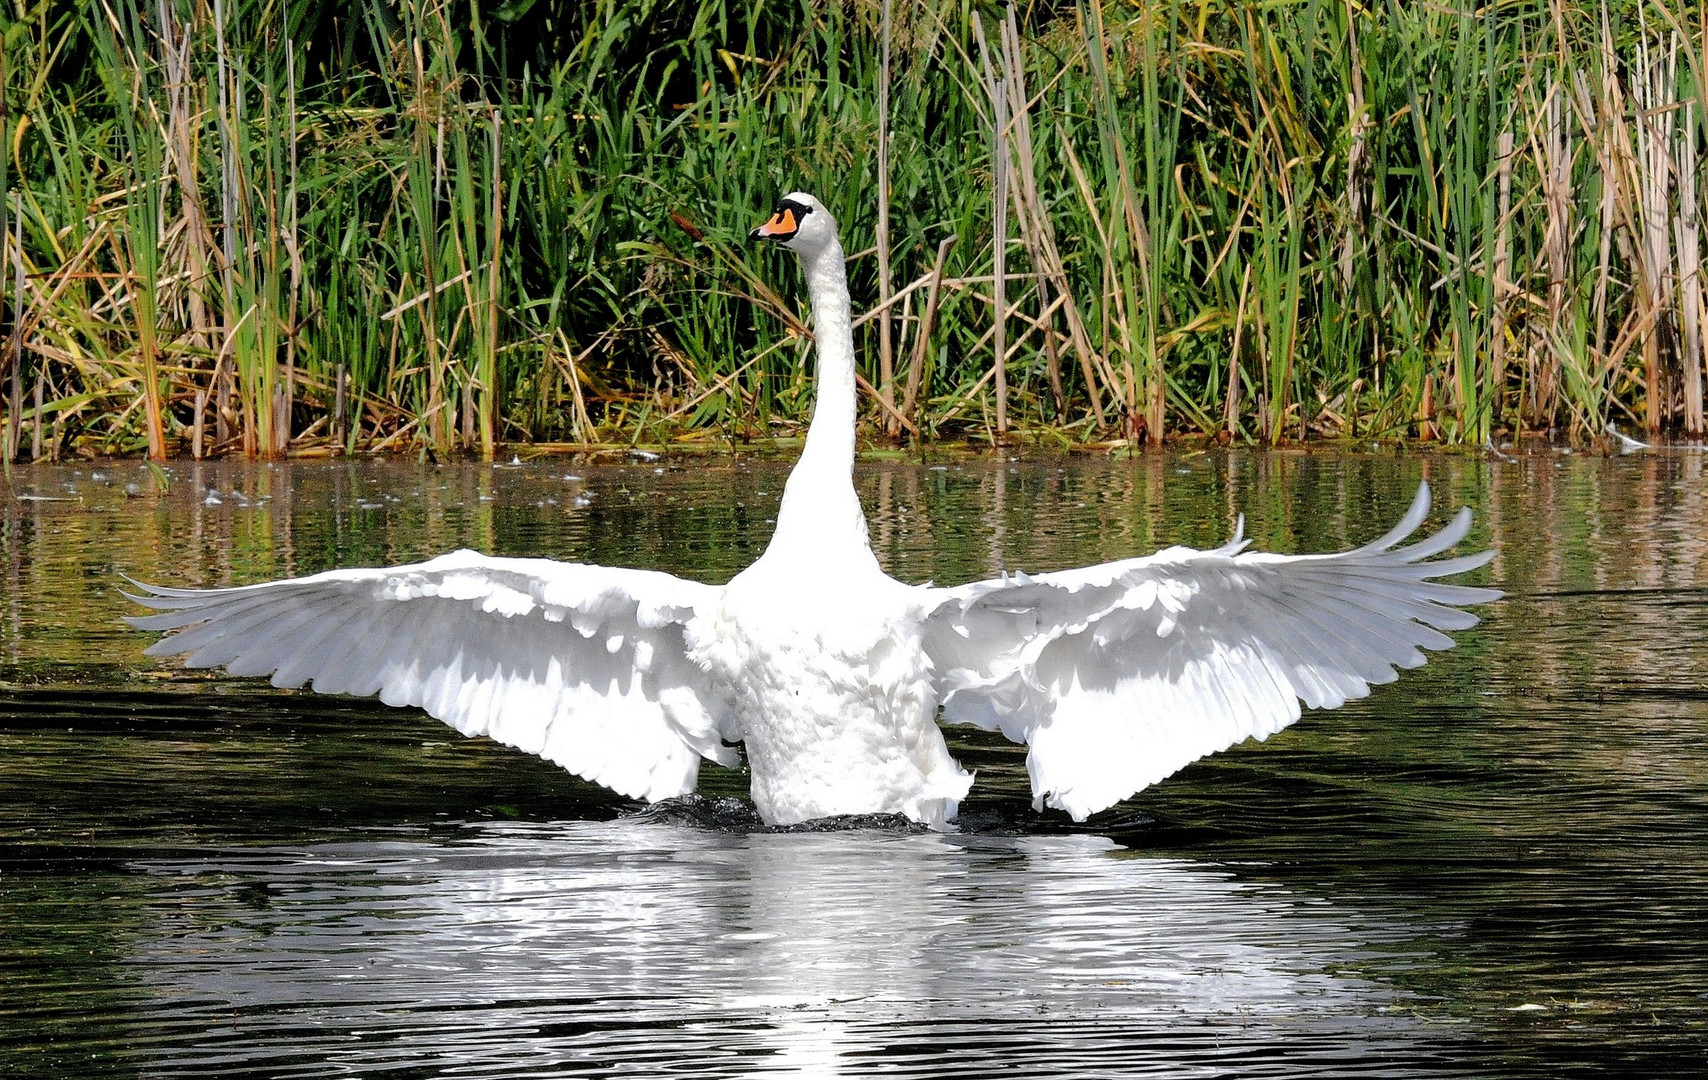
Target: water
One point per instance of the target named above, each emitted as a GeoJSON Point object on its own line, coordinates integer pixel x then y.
{"type": "Point", "coordinates": [1497, 866]}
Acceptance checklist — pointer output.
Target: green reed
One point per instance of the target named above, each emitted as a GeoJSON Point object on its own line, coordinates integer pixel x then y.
{"type": "Point", "coordinates": [288, 227]}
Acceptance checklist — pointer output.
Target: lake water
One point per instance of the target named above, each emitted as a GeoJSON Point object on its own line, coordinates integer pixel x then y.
{"type": "Point", "coordinates": [1497, 866]}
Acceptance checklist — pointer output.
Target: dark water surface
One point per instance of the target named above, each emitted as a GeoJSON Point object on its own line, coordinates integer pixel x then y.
{"type": "Point", "coordinates": [1497, 866]}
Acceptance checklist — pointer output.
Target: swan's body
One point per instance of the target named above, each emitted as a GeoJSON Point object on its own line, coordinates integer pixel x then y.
{"type": "Point", "coordinates": [826, 688]}
{"type": "Point", "coordinates": [831, 672]}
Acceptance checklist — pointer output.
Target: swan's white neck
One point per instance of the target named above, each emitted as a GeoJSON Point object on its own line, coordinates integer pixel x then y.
{"type": "Point", "coordinates": [830, 439]}
{"type": "Point", "coordinates": [819, 505]}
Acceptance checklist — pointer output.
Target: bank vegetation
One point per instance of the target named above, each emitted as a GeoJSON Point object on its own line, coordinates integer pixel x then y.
{"type": "Point", "coordinates": [271, 227]}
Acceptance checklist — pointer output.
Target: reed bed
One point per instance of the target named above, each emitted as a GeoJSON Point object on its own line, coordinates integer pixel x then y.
{"type": "Point", "coordinates": [292, 227]}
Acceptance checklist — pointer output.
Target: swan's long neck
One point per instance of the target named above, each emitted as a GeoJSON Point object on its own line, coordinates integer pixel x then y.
{"type": "Point", "coordinates": [830, 440]}
{"type": "Point", "coordinates": [819, 504]}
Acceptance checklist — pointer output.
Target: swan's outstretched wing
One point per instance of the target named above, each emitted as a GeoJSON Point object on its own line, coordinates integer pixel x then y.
{"type": "Point", "coordinates": [1118, 675]}
{"type": "Point", "coordinates": [584, 665]}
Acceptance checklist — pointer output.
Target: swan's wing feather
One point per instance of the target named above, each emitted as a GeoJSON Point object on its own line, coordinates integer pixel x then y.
{"type": "Point", "coordinates": [1120, 674]}
{"type": "Point", "coordinates": [587, 666]}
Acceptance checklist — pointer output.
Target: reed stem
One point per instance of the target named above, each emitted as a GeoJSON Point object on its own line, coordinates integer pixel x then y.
{"type": "Point", "coordinates": [1249, 220]}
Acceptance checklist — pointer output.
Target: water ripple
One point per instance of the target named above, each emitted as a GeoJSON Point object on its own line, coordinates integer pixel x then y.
{"type": "Point", "coordinates": [827, 953]}
{"type": "Point", "coordinates": [1495, 867]}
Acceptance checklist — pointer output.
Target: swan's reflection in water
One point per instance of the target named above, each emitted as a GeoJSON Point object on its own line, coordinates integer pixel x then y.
{"type": "Point", "coordinates": [575, 948]}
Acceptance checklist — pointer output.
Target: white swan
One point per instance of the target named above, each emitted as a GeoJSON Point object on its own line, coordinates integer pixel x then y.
{"type": "Point", "coordinates": [831, 672]}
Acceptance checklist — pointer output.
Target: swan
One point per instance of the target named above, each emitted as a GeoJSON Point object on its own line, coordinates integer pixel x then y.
{"type": "Point", "coordinates": [831, 673]}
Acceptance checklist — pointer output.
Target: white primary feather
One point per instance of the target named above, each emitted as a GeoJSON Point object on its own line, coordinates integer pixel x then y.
{"type": "Point", "coordinates": [1120, 674]}
{"type": "Point", "coordinates": [583, 665]}
{"type": "Point", "coordinates": [831, 672]}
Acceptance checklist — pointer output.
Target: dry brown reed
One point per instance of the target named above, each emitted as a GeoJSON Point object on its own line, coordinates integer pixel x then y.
{"type": "Point", "coordinates": [1388, 221]}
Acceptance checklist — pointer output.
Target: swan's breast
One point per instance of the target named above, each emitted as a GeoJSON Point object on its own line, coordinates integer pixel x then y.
{"type": "Point", "coordinates": [828, 684]}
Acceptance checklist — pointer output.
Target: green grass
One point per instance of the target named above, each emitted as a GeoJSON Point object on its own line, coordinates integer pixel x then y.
{"type": "Point", "coordinates": [302, 226]}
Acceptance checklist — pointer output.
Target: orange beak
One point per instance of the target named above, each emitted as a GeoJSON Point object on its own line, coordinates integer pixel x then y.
{"type": "Point", "coordinates": [781, 226]}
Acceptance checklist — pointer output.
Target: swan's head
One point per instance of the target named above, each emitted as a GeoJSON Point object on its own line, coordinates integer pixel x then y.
{"type": "Point", "coordinates": [800, 223]}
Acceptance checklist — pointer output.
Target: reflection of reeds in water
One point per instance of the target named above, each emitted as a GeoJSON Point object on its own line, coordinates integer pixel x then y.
{"type": "Point", "coordinates": [1605, 566]}
{"type": "Point", "coordinates": [1255, 220]}
{"type": "Point", "coordinates": [1556, 522]}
